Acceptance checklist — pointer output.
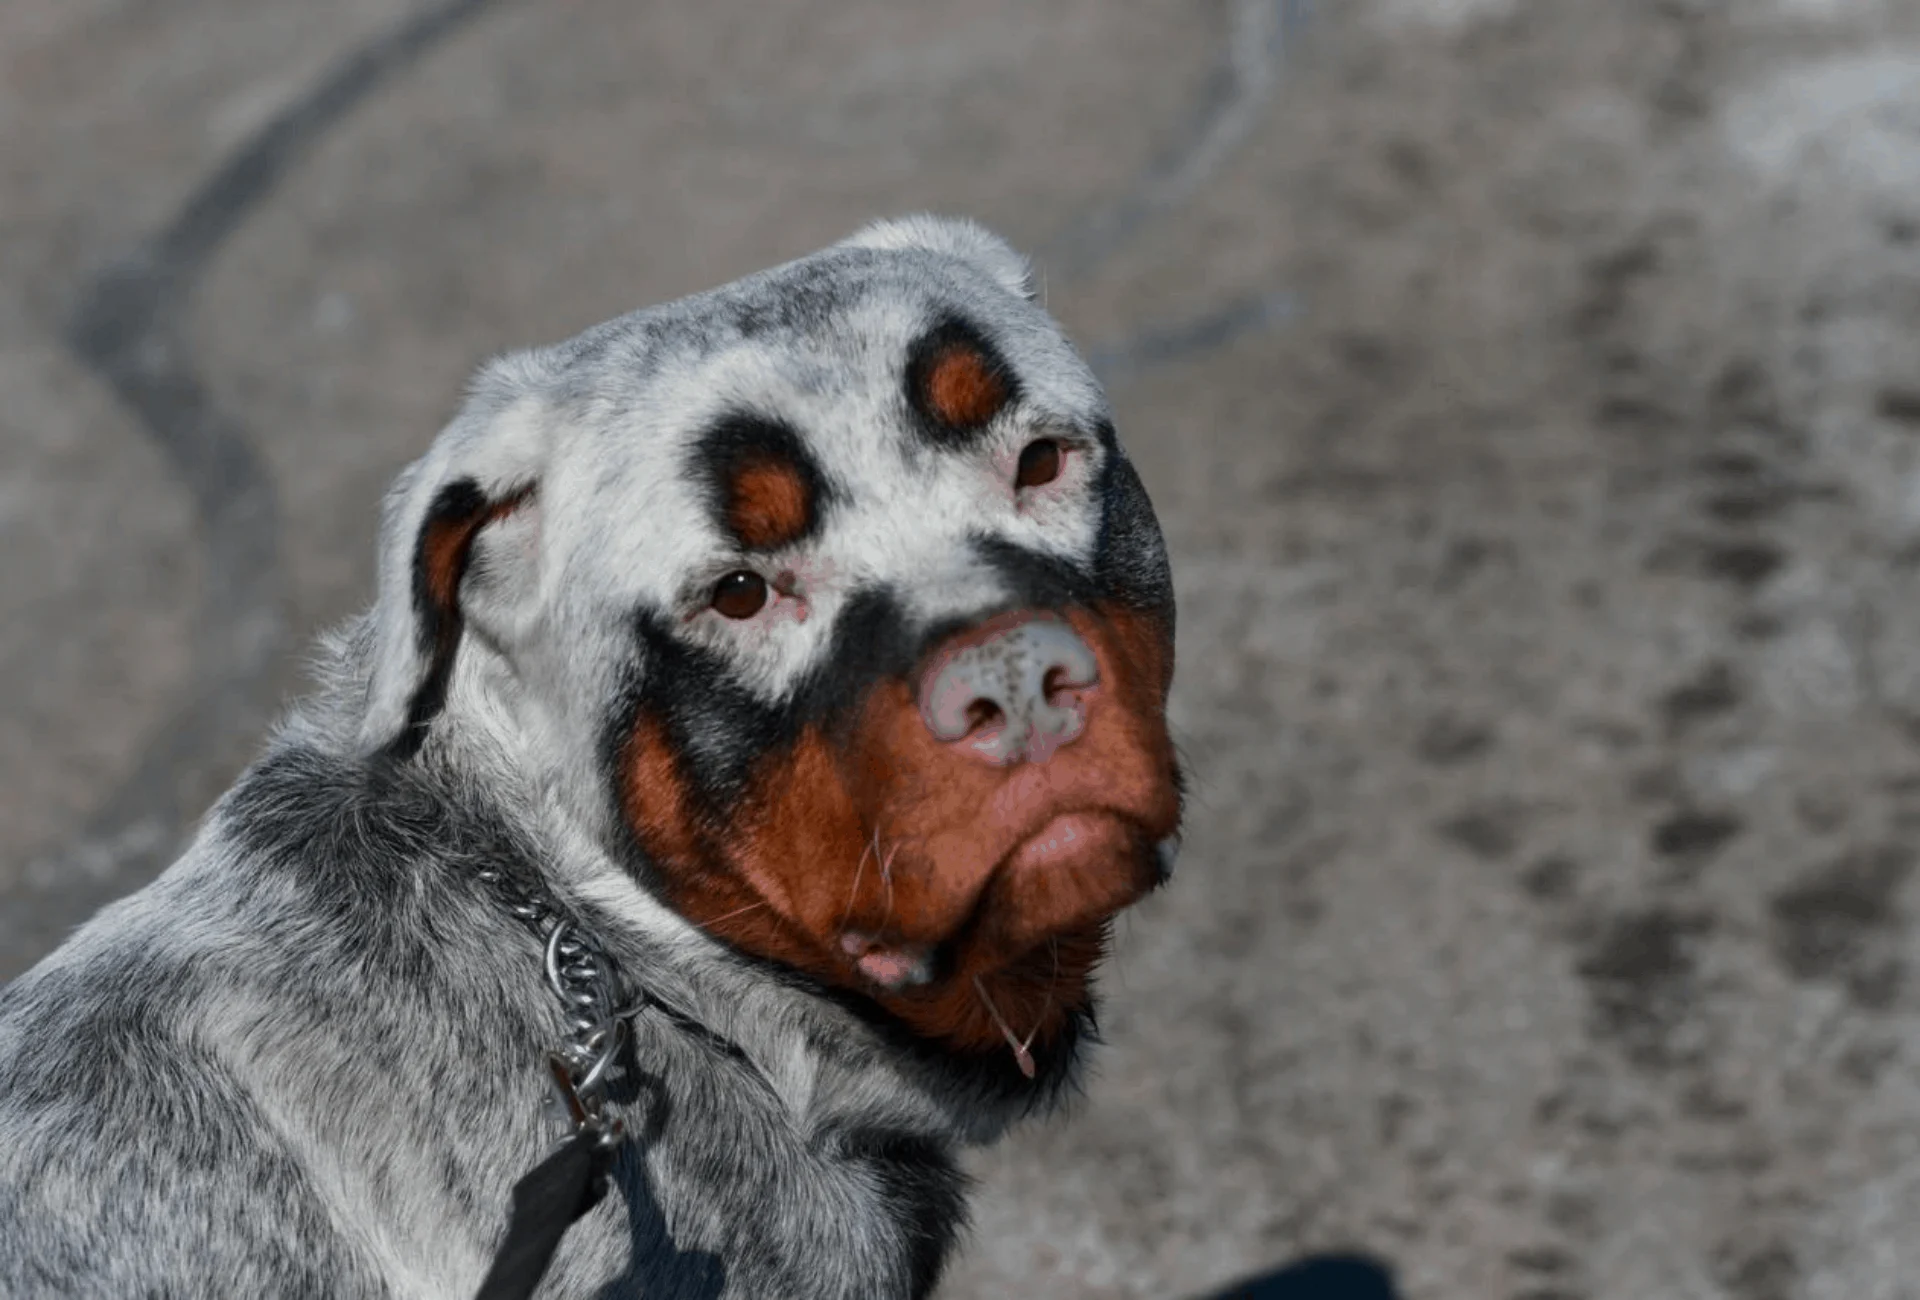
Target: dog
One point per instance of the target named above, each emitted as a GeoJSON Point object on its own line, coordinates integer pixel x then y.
{"type": "Point", "coordinates": [760, 720]}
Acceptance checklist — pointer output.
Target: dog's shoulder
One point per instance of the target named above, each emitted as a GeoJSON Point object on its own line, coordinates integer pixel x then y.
{"type": "Point", "coordinates": [185, 1085]}
{"type": "Point", "coordinates": [133, 1157]}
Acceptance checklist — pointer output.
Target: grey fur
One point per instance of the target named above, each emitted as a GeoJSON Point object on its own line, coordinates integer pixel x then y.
{"type": "Point", "coordinates": [305, 1061]}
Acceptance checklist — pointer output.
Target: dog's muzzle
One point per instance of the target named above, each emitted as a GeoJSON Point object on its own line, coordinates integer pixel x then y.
{"type": "Point", "coordinates": [960, 837]}
{"type": "Point", "coordinates": [1004, 704]}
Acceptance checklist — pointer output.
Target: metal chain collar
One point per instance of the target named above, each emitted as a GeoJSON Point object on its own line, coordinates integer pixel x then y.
{"type": "Point", "coordinates": [588, 984]}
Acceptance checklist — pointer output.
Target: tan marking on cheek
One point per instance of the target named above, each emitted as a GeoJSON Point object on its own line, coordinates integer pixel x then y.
{"type": "Point", "coordinates": [799, 838]}
{"type": "Point", "coordinates": [963, 389]}
{"type": "Point", "coordinates": [768, 504]}
{"type": "Point", "coordinates": [655, 799]}
{"type": "Point", "coordinates": [1129, 737]}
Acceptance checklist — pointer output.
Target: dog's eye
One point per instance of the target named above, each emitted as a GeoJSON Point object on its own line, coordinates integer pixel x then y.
{"type": "Point", "coordinates": [1039, 463]}
{"type": "Point", "coordinates": [740, 594]}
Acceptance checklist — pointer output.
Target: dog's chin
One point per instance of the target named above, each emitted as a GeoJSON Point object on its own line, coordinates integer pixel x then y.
{"type": "Point", "coordinates": [1011, 990]}
{"type": "Point", "coordinates": [1032, 902]}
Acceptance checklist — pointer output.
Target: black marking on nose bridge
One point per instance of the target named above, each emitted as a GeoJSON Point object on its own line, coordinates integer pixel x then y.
{"type": "Point", "coordinates": [872, 641]}
{"type": "Point", "coordinates": [1032, 579]}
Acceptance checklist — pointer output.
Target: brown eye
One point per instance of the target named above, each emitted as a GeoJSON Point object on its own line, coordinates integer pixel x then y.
{"type": "Point", "coordinates": [740, 594]}
{"type": "Point", "coordinates": [1039, 463]}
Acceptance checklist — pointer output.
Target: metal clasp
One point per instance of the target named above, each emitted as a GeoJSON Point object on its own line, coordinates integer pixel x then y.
{"type": "Point", "coordinates": [583, 1112]}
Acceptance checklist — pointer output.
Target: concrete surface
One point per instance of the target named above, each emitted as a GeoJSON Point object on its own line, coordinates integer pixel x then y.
{"type": "Point", "coordinates": [1532, 395]}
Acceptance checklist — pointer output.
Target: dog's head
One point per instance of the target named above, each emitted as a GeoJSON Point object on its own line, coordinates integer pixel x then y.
{"type": "Point", "coordinates": [835, 590]}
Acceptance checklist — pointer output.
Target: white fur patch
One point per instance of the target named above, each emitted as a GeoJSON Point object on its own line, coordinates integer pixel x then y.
{"type": "Point", "coordinates": [606, 430]}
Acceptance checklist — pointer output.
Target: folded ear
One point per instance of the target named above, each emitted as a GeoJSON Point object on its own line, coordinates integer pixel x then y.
{"type": "Point", "coordinates": [956, 237]}
{"type": "Point", "coordinates": [483, 470]}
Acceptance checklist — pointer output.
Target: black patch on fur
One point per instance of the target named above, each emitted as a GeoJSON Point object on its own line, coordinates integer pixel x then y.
{"type": "Point", "coordinates": [990, 1079]}
{"type": "Point", "coordinates": [921, 358]}
{"type": "Point", "coordinates": [370, 844]}
{"type": "Point", "coordinates": [927, 1193]}
{"type": "Point", "coordinates": [1131, 558]}
{"type": "Point", "coordinates": [744, 439]}
{"type": "Point", "coordinates": [1034, 579]}
{"type": "Point", "coordinates": [715, 728]}
{"type": "Point", "coordinates": [808, 299]}
{"type": "Point", "coordinates": [458, 504]}
{"type": "Point", "coordinates": [872, 642]}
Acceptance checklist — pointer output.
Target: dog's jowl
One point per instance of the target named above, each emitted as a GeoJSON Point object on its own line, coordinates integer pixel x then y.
{"type": "Point", "coordinates": [762, 708]}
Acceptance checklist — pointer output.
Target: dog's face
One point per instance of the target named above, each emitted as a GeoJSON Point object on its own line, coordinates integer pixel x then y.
{"type": "Point", "coordinates": [838, 584]}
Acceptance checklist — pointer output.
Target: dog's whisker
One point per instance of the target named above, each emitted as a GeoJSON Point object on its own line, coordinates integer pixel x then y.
{"type": "Point", "coordinates": [886, 877]}
{"type": "Point", "coordinates": [1053, 980]}
{"type": "Point", "coordinates": [1021, 1055]}
{"type": "Point", "coordinates": [738, 911]}
{"type": "Point", "coordinates": [1041, 1019]}
{"type": "Point", "coordinates": [853, 894]}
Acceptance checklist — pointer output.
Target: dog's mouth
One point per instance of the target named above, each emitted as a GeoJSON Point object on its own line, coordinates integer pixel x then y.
{"type": "Point", "coordinates": [1037, 890]}
{"type": "Point", "coordinates": [1019, 959]}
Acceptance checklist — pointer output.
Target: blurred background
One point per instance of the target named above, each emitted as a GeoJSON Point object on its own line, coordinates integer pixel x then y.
{"type": "Point", "coordinates": [1531, 395]}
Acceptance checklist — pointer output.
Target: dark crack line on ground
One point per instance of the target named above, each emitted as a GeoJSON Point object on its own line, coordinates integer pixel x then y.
{"type": "Point", "coordinates": [130, 331]}
{"type": "Point", "coordinates": [1160, 345]}
{"type": "Point", "coordinates": [1260, 34]}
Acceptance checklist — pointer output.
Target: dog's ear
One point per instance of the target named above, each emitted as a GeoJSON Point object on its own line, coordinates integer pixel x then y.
{"type": "Point", "coordinates": [481, 476]}
{"type": "Point", "coordinates": [956, 237]}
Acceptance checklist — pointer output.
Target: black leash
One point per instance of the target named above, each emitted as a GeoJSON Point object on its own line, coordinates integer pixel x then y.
{"type": "Point", "coordinates": [559, 1191]}
{"type": "Point", "coordinates": [548, 1201]}
{"type": "Point", "coordinates": [553, 1196]}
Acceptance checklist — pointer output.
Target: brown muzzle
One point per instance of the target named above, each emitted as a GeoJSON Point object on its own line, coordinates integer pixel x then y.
{"type": "Point", "coordinates": [958, 852]}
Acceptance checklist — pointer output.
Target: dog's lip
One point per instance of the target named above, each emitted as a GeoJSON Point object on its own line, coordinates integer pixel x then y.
{"type": "Point", "coordinates": [892, 966]}
{"type": "Point", "coordinates": [1070, 839]}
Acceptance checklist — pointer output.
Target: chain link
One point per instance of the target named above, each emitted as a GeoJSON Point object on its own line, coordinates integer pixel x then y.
{"type": "Point", "coordinates": [587, 983]}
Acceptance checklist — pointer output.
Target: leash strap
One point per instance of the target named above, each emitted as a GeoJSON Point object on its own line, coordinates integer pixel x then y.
{"type": "Point", "coordinates": [553, 1196]}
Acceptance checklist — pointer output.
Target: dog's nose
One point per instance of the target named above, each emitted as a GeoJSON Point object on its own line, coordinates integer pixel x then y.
{"type": "Point", "coordinates": [1014, 695]}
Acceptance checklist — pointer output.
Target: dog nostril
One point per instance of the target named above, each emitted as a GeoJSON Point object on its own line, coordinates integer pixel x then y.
{"type": "Point", "coordinates": [982, 714]}
{"type": "Point", "coordinates": [1059, 685]}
